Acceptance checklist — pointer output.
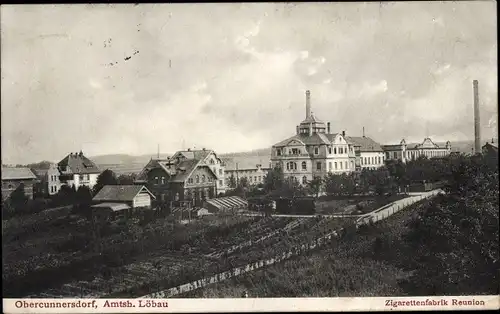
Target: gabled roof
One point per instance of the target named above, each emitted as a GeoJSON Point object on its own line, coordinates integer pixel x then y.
{"type": "Point", "coordinates": [366, 144]}
{"type": "Point", "coordinates": [227, 203]}
{"type": "Point", "coordinates": [315, 139]}
{"type": "Point", "coordinates": [78, 164]}
{"type": "Point", "coordinates": [200, 154]}
{"type": "Point", "coordinates": [122, 193]}
{"type": "Point", "coordinates": [186, 169]}
{"type": "Point", "coordinates": [40, 173]}
{"type": "Point", "coordinates": [10, 173]}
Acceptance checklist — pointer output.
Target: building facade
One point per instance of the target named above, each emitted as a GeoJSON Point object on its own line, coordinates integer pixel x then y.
{"type": "Point", "coordinates": [17, 178]}
{"type": "Point", "coordinates": [405, 152]}
{"type": "Point", "coordinates": [77, 170]}
{"type": "Point", "coordinates": [181, 178]}
{"type": "Point", "coordinates": [315, 151]}
{"type": "Point", "coordinates": [254, 175]}
{"type": "Point", "coordinates": [48, 181]}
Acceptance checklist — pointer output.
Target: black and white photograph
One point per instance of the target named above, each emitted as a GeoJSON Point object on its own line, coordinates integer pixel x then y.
{"type": "Point", "coordinates": [184, 151]}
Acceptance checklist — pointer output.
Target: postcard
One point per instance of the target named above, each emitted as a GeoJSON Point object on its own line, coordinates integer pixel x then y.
{"type": "Point", "coordinates": [248, 157]}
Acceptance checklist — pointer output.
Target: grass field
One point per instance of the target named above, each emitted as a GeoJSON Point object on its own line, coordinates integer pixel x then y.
{"type": "Point", "coordinates": [350, 267]}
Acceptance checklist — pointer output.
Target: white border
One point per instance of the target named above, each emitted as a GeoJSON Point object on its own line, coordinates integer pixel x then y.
{"type": "Point", "coordinates": [491, 302]}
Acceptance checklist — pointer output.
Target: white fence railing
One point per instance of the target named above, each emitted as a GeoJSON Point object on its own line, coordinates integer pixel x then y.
{"type": "Point", "coordinates": [295, 251]}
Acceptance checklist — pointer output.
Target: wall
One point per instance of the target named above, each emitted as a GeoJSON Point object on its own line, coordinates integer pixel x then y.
{"type": "Point", "coordinates": [9, 186]}
{"type": "Point", "coordinates": [52, 181]}
{"type": "Point", "coordinates": [366, 160]}
{"type": "Point", "coordinates": [143, 199]}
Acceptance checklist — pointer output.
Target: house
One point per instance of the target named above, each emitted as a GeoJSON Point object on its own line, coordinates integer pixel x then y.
{"type": "Point", "coordinates": [76, 169]}
{"type": "Point", "coordinates": [17, 178]}
{"type": "Point", "coordinates": [122, 198]}
{"type": "Point", "coordinates": [490, 149]}
{"type": "Point", "coordinates": [48, 181]}
{"type": "Point", "coordinates": [405, 152]}
{"type": "Point", "coordinates": [314, 151]}
{"type": "Point", "coordinates": [208, 158]}
{"type": "Point", "coordinates": [183, 178]}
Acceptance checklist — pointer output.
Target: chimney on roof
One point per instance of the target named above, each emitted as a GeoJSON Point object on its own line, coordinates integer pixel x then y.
{"type": "Point", "coordinates": [328, 128]}
{"type": "Point", "coordinates": [297, 129]}
{"type": "Point", "coordinates": [189, 149]}
{"type": "Point", "coordinates": [477, 121]}
{"type": "Point", "coordinates": [308, 104]}
{"type": "Point", "coordinates": [203, 148]}
{"type": "Point", "coordinates": [343, 133]}
{"type": "Point", "coordinates": [363, 131]}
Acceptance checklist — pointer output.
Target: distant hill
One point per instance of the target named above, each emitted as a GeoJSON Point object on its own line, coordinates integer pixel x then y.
{"type": "Point", "coordinates": [122, 163]}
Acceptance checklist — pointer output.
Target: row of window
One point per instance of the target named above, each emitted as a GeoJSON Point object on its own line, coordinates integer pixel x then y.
{"type": "Point", "coordinates": [376, 160]}
{"type": "Point", "coordinates": [53, 189]}
{"type": "Point", "coordinates": [340, 165]}
{"type": "Point", "coordinates": [84, 177]}
{"type": "Point", "coordinates": [334, 150]}
{"type": "Point", "coordinates": [53, 178]}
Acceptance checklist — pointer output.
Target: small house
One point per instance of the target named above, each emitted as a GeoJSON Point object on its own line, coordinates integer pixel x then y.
{"type": "Point", "coordinates": [120, 199]}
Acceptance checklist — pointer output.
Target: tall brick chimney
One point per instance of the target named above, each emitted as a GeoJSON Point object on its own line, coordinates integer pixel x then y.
{"type": "Point", "coordinates": [477, 121]}
{"type": "Point", "coordinates": [297, 129]}
{"type": "Point", "coordinates": [308, 104]}
{"type": "Point", "coordinates": [328, 127]}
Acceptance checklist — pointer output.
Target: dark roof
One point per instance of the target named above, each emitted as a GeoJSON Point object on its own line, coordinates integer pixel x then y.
{"type": "Point", "coordinates": [9, 173]}
{"type": "Point", "coordinates": [113, 206]}
{"type": "Point", "coordinates": [366, 143]}
{"type": "Point", "coordinates": [315, 139]}
{"type": "Point", "coordinates": [195, 154]}
{"type": "Point", "coordinates": [40, 173]}
{"type": "Point", "coordinates": [120, 192]}
{"type": "Point", "coordinates": [312, 119]}
{"type": "Point", "coordinates": [78, 164]}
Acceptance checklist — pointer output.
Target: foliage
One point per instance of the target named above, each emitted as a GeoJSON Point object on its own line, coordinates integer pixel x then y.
{"type": "Point", "coordinates": [340, 184]}
{"type": "Point", "coordinates": [274, 179]}
{"type": "Point", "coordinates": [232, 181]}
{"type": "Point", "coordinates": [107, 177]}
{"type": "Point", "coordinates": [458, 234]}
{"type": "Point", "coordinates": [315, 186]}
{"type": "Point", "coordinates": [126, 179]}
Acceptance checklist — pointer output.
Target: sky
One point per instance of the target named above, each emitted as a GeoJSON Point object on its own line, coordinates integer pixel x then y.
{"type": "Point", "coordinates": [123, 79]}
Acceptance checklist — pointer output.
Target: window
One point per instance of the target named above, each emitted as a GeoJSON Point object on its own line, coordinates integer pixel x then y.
{"type": "Point", "coordinates": [203, 178]}
{"type": "Point", "coordinates": [329, 150]}
{"type": "Point", "coordinates": [295, 151]}
{"type": "Point", "coordinates": [250, 179]}
{"type": "Point", "coordinates": [162, 180]}
{"type": "Point", "coordinates": [278, 152]}
{"type": "Point", "coordinates": [212, 161]}
{"type": "Point", "coordinates": [304, 180]}
{"type": "Point", "coordinates": [318, 166]}
{"type": "Point", "coordinates": [190, 180]}
{"type": "Point", "coordinates": [341, 150]}
{"type": "Point", "coordinates": [197, 179]}
{"type": "Point", "coordinates": [335, 165]}
{"type": "Point", "coordinates": [220, 171]}
{"type": "Point", "coordinates": [395, 155]}
{"type": "Point", "coordinates": [316, 150]}
{"type": "Point", "coordinates": [210, 179]}
{"type": "Point", "coordinates": [361, 159]}
{"type": "Point", "coordinates": [156, 180]}
{"type": "Point", "coordinates": [330, 165]}
{"type": "Point", "coordinates": [260, 178]}
{"type": "Point", "coordinates": [379, 160]}
{"type": "Point", "coordinates": [352, 164]}
{"type": "Point", "coordinates": [387, 155]}
{"type": "Point", "coordinates": [335, 150]}
{"type": "Point", "coordinates": [81, 177]}
{"type": "Point", "coordinates": [340, 165]}
{"type": "Point", "coordinates": [255, 179]}
{"type": "Point", "coordinates": [221, 182]}
{"type": "Point", "coordinates": [304, 165]}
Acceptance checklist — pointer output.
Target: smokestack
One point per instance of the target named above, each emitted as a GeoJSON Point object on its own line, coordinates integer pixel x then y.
{"type": "Point", "coordinates": [477, 121]}
{"type": "Point", "coordinates": [308, 104]}
{"type": "Point", "coordinates": [328, 128]}
{"type": "Point", "coordinates": [363, 131]}
{"type": "Point", "coordinates": [297, 129]}
{"type": "Point", "coordinates": [343, 133]}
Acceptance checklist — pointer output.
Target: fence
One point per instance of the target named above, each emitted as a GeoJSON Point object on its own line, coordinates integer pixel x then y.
{"type": "Point", "coordinates": [295, 251]}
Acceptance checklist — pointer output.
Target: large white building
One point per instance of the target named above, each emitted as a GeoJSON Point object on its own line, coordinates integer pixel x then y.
{"type": "Point", "coordinates": [405, 152]}
{"type": "Point", "coordinates": [315, 151]}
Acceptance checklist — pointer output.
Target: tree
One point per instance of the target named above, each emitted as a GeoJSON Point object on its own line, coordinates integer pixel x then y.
{"type": "Point", "coordinates": [315, 186]}
{"type": "Point", "coordinates": [274, 179]}
{"type": "Point", "coordinates": [232, 181]}
{"type": "Point", "coordinates": [107, 177]}
{"type": "Point", "coordinates": [454, 238]}
{"type": "Point", "coordinates": [18, 198]}
{"type": "Point", "coordinates": [126, 179]}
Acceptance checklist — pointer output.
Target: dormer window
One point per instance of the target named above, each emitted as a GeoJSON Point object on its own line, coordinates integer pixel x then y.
{"type": "Point", "coordinates": [197, 179]}
{"type": "Point", "coordinates": [316, 150]}
{"type": "Point", "coordinates": [278, 152]}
